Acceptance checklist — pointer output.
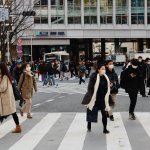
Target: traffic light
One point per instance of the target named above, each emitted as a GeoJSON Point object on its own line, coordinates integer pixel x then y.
{"type": "Point", "coordinates": [28, 13]}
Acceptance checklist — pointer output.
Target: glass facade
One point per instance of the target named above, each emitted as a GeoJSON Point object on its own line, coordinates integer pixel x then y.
{"type": "Point", "coordinates": [41, 7]}
{"type": "Point", "coordinates": [90, 11]}
{"type": "Point", "coordinates": [57, 12]}
{"type": "Point", "coordinates": [74, 11]}
{"type": "Point", "coordinates": [121, 12]}
{"type": "Point", "coordinates": [137, 11]}
{"type": "Point", "coordinates": [91, 8]}
{"type": "Point", "coordinates": [106, 11]}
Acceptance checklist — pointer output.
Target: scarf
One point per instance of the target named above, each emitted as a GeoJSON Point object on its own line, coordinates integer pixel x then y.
{"type": "Point", "coordinates": [93, 100]}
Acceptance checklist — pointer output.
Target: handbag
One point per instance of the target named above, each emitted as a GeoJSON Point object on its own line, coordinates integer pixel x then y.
{"type": "Point", "coordinates": [17, 93]}
{"type": "Point", "coordinates": [92, 116]}
{"type": "Point", "coordinates": [111, 102]}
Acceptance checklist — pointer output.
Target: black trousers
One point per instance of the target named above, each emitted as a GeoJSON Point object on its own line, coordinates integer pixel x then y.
{"type": "Point", "coordinates": [104, 120]}
{"type": "Point", "coordinates": [72, 73]}
{"type": "Point", "coordinates": [15, 118]}
{"type": "Point", "coordinates": [81, 80]}
{"type": "Point", "coordinates": [142, 86]}
{"type": "Point", "coordinates": [133, 100]}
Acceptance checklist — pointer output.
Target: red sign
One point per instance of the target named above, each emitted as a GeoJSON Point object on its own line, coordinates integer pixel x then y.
{"type": "Point", "coordinates": [19, 48]}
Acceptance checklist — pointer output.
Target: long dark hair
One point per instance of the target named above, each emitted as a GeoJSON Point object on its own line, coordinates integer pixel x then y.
{"type": "Point", "coordinates": [5, 71]}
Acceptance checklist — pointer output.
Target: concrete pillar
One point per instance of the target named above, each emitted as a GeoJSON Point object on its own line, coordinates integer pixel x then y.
{"type": "Point", "coordinates": [140, 45]}
{"type": "Point", "coordinates": [90, 49]}
{"type": "Point", "coordinates": [147, 43]}
{"type": "Point", "coordinates": [116, 45]}
{"type": "Point", "coordinates": [74, 49]}
{"type": "Point", "coordinates": [103, 48]}
{"type": "Point", "coordinates": [86, 43]}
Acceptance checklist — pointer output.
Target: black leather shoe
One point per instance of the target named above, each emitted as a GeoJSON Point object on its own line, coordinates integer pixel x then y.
{"type": "Point", "coordinates": [106, 131]}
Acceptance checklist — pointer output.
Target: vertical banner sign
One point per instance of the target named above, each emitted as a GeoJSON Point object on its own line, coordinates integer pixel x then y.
{"type": "Point", "coordinates": [19, 48]}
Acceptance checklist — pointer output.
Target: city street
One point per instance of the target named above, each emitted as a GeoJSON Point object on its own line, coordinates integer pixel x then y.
{"type": "Point", "coordinates": [59, 122]}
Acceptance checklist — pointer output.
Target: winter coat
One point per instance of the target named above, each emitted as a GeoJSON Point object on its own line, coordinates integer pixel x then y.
{"type": "Point", "coordinates": [27, 85]}
{"type": "Point", "coordinates": [7, 100]}
{"type": "Point", "coordinates": [91, 96]}
{"type": "Point", "coordinates": [132, 83]}
{"type": "Point", "coordinates": [113, 77]}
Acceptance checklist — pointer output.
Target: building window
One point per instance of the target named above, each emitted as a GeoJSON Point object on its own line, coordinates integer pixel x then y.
{"type": "Point", "coordinates": [57, 12]}
{"type": "Point", "coordinates": [148, 12]}
{"type": "Point", "coordinates": [41, 9]}
{"type": "Point", "coordinates": [37, 20]}
{"type": "Point", "coordinates": [137, 11]}
{"type": "Point", "coordinates": [90, 11]}
{"type": "Point", "coordinates": [74, 11]}
{"type": "Point", "coordinates": [121, 12]}
{"type": "Point", "coordinates": [106, 11]}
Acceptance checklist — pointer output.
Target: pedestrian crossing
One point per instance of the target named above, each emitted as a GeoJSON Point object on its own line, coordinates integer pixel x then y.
{"type": "Point", "coordinates": [72, 88]}
{"type": "Point", "coordinates": [67, 131]}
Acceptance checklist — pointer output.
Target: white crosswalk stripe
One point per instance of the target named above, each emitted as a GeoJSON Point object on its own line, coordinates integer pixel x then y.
{"type": "Point", "coordinates": [76, 134]}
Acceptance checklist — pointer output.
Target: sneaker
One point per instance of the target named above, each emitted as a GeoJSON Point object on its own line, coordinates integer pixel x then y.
{"type": "Point", "coordinates": [111, 118]}
{"type": "Point", "coordinates": [144, 96]}
{"type": "Point", "coordinates": [132, 116]}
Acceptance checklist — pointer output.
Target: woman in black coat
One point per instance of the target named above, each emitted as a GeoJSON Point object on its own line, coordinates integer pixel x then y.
{"type": "Point", "coordinates": [97, 97]}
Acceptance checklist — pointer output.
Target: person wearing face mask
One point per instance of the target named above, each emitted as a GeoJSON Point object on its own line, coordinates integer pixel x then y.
{"type": "Point", "coordinates": [147, 73]}
{"type": "Point", "coordinates": [97, 97]}
{"type": "Point", "coordinates": [114, 85]}
{"type": "Point", "coordinates": [26, 85]}
{"type": "Point", "coordinates": [132, 77]}
{"type": "Point", "coordinates": [141, 64]}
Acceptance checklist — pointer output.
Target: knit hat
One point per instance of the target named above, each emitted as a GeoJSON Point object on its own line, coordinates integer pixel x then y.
{"type": "Point", "coordinates": [134, 62]}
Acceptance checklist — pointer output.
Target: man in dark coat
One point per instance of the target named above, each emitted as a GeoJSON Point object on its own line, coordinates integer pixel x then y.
{"type": "Point", "coordinates": [132, 86]}
{"type": "Point", "coordinates": [17, 71]}
{"type": "Point", "coordinates": [141, 64]}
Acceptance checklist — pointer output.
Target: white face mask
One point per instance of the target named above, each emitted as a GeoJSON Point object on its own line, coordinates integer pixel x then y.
{"type": "Point", "coordinates": [103, 72]}
{"type": "Point", "coordinates": [134, 66]}
{"type": "Point", "coordinates": [111, 66]}
{"type": "Point", "coordinates": [140, 60]}
{"type": "Point", "coordinates": [28, 69]}
{"type": "Point", "coordinates": [149, 63]}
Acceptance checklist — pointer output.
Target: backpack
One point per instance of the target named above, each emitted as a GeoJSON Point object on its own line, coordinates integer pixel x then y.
{"type": "Point", "coordinates": [82, 69]}
{"type": "Point", "coordinates": [123, 79]}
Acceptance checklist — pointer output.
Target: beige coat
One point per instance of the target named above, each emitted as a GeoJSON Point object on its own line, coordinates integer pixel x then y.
{"type": "Point", "coordinates": [28, 85]}
{"type": "Point", "coordinates": [7, 100]}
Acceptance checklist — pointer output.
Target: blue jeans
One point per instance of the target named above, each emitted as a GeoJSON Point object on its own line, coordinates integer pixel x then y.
{"type": "Point", "coordinates": [50, 78]}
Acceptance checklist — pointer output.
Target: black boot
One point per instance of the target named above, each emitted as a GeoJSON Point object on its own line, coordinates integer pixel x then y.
{"type": "Point", "coordinates": [89, 126]}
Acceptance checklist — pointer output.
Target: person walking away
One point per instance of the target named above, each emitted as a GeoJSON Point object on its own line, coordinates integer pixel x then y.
{"type": "Point", "coordinates": [142, 77]}
{"type": "Point", "coordinates": [114, 85]}
{"type": "Point", "coordinates": [50, 70]}
{"type": "Point", "coordinates": [97, 96]}
{"type": "Point", "coordinates": [147, 73]}
{"type": "Point", "coordinates": [82, 70]}
{"type": "Point", "coordinates": [63, 69]}
{"type": "Point", "coordinates": [72, 68]}
{"type": "Point", "coordinates": [26, 85]}
{"type": "Point", "coordinates": [7, 99]}
{"type": "Point", "coordinates": [132, 85]}
{"type": "Point", "coordinates": [18, 70]}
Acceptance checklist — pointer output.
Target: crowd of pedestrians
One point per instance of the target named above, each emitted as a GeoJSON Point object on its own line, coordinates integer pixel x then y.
{"type": "Point", "coordinates": [104, 84]}
{"type": "Point", "coordinates": [101, 93]}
